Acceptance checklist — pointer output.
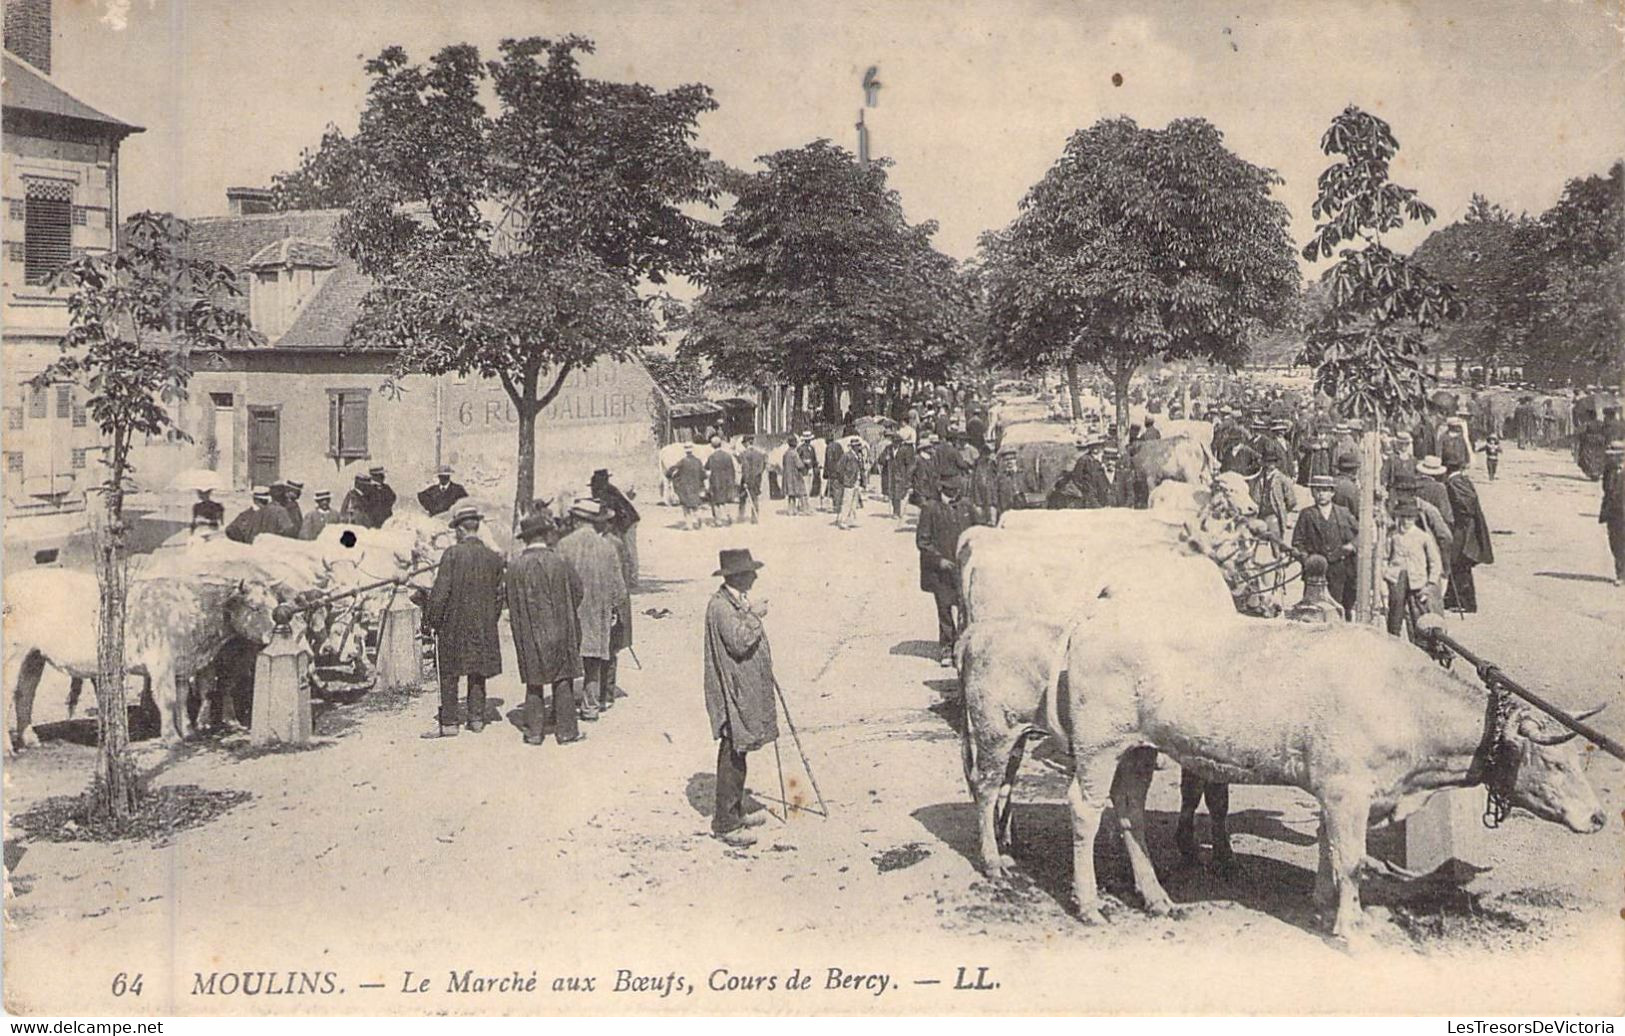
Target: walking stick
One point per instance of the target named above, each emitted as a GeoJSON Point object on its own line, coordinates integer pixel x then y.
{"type": "Point", "coordinates": [634, 655]}
{"type": "Point", "coordinates": [805, 763]}
{"type": "Point", "coordinates": [784, 800]}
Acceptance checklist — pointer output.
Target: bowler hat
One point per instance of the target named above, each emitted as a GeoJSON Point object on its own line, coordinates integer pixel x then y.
{"type": "Point", "coordinates": [1322, 482]}
{"type": "Point", "coordinates": [601, 475]}
{"type": "Point", "coordinates": [735, 560]}
{"type": "Point", "coordinates": [1407, 507]}
{"type": "Point", "coordinates": [533, 526]}
{"type": "Point", "coordinates": [465, 513]}
{"type": "Point", "coordinates": [444, 469]}
{"type": "Point", "coordinates": [1348, 462]}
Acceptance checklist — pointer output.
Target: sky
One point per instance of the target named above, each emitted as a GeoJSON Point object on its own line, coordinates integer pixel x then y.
{"type": "Point", "coordinates": [1508, 98]}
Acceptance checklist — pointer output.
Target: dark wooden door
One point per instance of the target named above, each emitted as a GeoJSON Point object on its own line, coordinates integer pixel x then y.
{"type": "Point", "coordinates": [264, 446]}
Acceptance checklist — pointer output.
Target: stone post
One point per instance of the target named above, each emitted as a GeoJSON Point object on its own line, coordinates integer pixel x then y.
{"type": "Point", "coordinates": [281, 695]}
{"type": "Point", "coordinates": [400, 655]}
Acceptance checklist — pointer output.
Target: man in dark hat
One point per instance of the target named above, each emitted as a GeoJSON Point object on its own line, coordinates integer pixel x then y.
{"type": "Point", "coordinates": [462, 613]}
{"type": "Point", "coordinates": [1346, 491]}
{"type": "Point", "coordinates": [357, 506]}
{"type": "Point", "coordinates": [739, 690]}
{"type": "Point", "coordinates": [319, 516]}
{"type": "Point", "coordinates": [1272, 491]}
{"type": "Point", "coordinates": [1414, 568]}
{"type": "Point", "coordinates": [1473, 546]}
{"type": "Point", "coordinates": [722, 483]}
{"type": "Point", "coordinates": [261, 517]}
{"type": "Point", "coordinates": [834, 449]}
{"type": "Point", "coordinates": [752, 466]}
{"type": "Point", "coordinates": [1330, 530]}
{"type": "Point", "coordinates": [1152, 432]}
{"type": "Point", "coordinates": [623, 522]}
{"type": "Point", "coordinates": [443, 494]}
{"type": "Point", "coordinates": [590, 550]}
{"type": "Point", "coordinates": [942, 521]}
{"type": "Point", "coordinates": [544, 598]}
{"type": "Point", "coordinates": [382, 498]}
{"type": "Point", "coordinates": [208, 509]}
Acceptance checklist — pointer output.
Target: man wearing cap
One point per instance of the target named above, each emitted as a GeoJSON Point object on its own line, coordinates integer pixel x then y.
{"type": "Point", "coordinates": [752, 466]}
{"type": "Point", "coordinates": [795, 479]}
{"type": "Point", "coordinates": [591, 552]}
{"type": "Point", "coordinates": [688, 481]}
{"type": "Point", "coordinates": [319, 516]}
{"type": "Point", "coordinates": [544, 599]}
{"type": "Point", "coordinates": [382, 497]}
{"type": "Point", "coordinates": [623, 522]}
{"type": "Point", "coordinates": [357, 506]}
{"type": "Point", "coordinates": [441, 495]}
{"type": "Point", "coordinates": [1414, 568]}
{"type": "Point", "coordinates": [1330, 530]}
{"type": "Point", "coordinates": [942, 521]}
{"type": "Point", "coordinates": [463, 608]}
{"type": "Point", "coordinates": [722, 476]}
{"type": "Point", "coordinates": [739, 690]}
{"type": "Point", "coordinates": [1612, 513]}
{"type": "Point", "coordinates": [261, 517]}
{"type": "Point", "coordinates": [208, 509]}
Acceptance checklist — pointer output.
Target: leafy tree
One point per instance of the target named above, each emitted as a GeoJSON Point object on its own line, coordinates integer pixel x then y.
{"type": "Point", "coordinates": [1476, 256]}
{"type": "Point", "coordinates": [821, 280]}
{"type": "Point", "coordinates": [135, 316]}
{"type": "Point", "coordinates": [511, 244]}
{"type": "Point", "coordinates": [327, 178]}
{"type": "Point", "coordinates": [681, 374]}
{"type": "Point", "coordinates": [1567, 297]}
{"type": "Point", "coordinates": [1368, 348]}
{"type": "Point", "coordinates": [1141, 243]}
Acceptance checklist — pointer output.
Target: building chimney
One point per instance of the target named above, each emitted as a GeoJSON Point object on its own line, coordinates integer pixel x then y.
{"type": "Point", "coordinates": [250, 201]}
{"type": "Point", "coordinates": [28, 31]}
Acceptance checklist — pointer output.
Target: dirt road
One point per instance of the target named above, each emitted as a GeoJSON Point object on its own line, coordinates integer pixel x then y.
{"type": "Point", "coordinates": [375, 854]}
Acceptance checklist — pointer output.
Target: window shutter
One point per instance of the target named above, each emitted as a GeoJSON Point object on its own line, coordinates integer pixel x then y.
{"type": "Point", "coordinates": [333, 448]}
{"type": "Point", "coordinates": [47, 229]}
{"type": "Point", "coordinates": [64, 401]}
{"type": "Point", "coordinates": [38, 403]}
{"type": "Point", "coordinates": [353, 423]}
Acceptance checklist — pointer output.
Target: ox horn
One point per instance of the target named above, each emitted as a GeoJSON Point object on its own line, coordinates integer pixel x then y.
{"type": "Point", "coordinates": [1587, 714]}
{"type": "Point", "coordinates": [1530, 728]}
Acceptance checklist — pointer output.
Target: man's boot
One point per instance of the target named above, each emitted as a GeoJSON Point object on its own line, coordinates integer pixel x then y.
{"type": "Point", "coordinates": [738, 837]}
{"type": "Point", "coordinates": [443, 730]}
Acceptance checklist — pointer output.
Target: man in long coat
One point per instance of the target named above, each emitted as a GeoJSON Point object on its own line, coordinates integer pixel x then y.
{"type": "Point", "coordinates": [809, 464]}
{"type": "Point", "coordinates": [1473, 546]}
{"type": "Point", "coordinates": [688, 479]}
{"type": "Point", "coordinates": [752, 466]}
{"type": "Point", "coordinates": [739, 689]}
{"type": "Point", "coordinates": [1347, 485]}
{"type": "Point", "coordinates": [590, 550]}
{"type": "Point", "coordinates": [357, 508]}
{"type": "Point", "coordinates": [847, 476]}
{"type": "Point", "coordinates": [723, 478]}
{"type": "Point", "coordinates": [937, 538]}
{"type": "Point", "coordinates": [463, 608]}
{"type": "Point", "coordinates": [795, 480]}
{"type": "Point", "coordinates": [382, 497]}
{"type": "Point", "coordinates": [1330, 530]}
{"type": "Point", "coordinates": [1612, 513]}
{"type": "Point", "coordinates": [624, 523]}
{"type": "Point", "coordinates": [263, 517]}
{"type": "Point", "coordinates": [927, 479]}
{"type": "Point", "coordinates": [897, 471]}
{"type": "Point", "coordinates": [544, 595]}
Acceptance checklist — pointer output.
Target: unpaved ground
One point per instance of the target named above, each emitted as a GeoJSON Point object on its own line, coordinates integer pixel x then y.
{"type": "Point", "coordinates": [374, 853]}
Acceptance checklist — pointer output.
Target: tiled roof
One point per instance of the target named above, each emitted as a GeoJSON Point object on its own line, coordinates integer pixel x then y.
{"type": "Point", "coordinates": [325, 319]}
{"type": "Point", "coordinates": [26, 88]}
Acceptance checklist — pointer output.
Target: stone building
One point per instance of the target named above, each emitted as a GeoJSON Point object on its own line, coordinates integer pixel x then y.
{"type": "Point", "coordinates": [59, 189]}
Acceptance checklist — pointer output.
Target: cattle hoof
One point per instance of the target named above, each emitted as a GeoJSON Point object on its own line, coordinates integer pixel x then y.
{"type": "Point", "coordinates": [1161, 907]}
{"type": "Point", "coordinates": [1089, 915]}
{"type": "Point", "coordinates": [29, 739]}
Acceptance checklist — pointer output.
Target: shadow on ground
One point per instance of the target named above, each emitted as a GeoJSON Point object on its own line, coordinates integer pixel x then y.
{"type": "Point", "coordinates": [1576, 577]}
{"type": "Point", "coordinates": [917, 649]}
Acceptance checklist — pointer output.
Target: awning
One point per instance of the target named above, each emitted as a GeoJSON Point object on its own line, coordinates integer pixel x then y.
{"type": "Point", "coordinates": [696, 409]}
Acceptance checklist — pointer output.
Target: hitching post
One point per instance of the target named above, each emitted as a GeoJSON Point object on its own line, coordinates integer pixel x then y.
{"type": "Point", "coordinates": [400, 662]}
{"type": "Point", "coordinates": [281, 696]}
{"type": "Point", "coordinates": [1365, 594]}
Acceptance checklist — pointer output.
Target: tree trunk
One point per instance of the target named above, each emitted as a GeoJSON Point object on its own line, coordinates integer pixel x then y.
{"type": "Point", "coordinates": [1073, 392]}
{"type": "Point", "coordinates": [832, 399]}
{"type": "Point", "coordinates": [1122, 377]}
{"type": "Point", "coordinates": [114, 794]}
{"type": "Point", "coordinates": [525, 467]}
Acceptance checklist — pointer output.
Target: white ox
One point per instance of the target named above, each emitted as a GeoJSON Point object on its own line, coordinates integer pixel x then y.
{"type": "Point", "coordinates": [175, 626]}
{"type": "Point", "coordinates": [1364, 722]}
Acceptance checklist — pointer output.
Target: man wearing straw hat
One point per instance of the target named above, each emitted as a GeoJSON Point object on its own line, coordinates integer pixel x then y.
{"type": "Point", "coordinates": [738, 690]}
{"type": "Point", "coordinates": [319, 516]}
{"type": "Point", "coordinates": [463, 608]}
{"type": "Point", "coordinates": [262, 517]}
{"type": "Point", "coordinates": [1612, 513]}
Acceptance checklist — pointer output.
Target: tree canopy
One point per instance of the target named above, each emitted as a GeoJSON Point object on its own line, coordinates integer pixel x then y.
{"type": "Point", "coordinates": [512, 243]}
{"type": "Point", "coordinates": [1139, 243]}
{"type": "Point", "coordinates": [821, 279]}
{"type": "Point", "coordinates": [1368, 348]}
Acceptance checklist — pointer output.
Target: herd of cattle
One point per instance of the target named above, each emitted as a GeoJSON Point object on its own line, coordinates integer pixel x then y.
{"type": "Point", "coordinates": [1119, 634]}
{"type": "Point", "coordinates": [192, 596]}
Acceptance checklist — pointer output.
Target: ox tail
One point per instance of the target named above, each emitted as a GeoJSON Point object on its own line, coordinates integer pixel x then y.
{"type": "Point", "coordinates": [1052, 691]}
{"type": "Point", "coordinates": [1208, 465]}
{"type": "Point", "coordinates": [967, 736]}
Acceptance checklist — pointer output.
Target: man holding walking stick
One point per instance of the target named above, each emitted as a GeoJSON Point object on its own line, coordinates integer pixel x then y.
{"type": "Point", "coordinates": [739, 688]}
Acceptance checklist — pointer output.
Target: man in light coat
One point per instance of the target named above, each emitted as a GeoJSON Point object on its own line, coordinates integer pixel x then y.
{"type": "Point", "coordinates": [688, 481]}
{"type": "Point", "coordinates": [752, 465]}
{"type": "Point", "coordinates": [591, 552]}
{"type": "Point", "coordinates": [739, 689]}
